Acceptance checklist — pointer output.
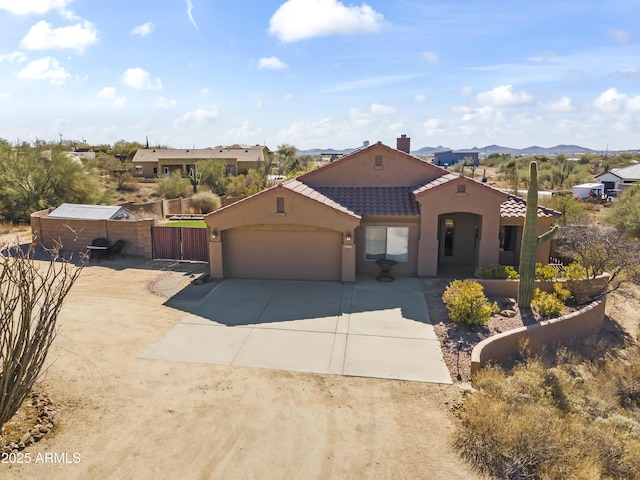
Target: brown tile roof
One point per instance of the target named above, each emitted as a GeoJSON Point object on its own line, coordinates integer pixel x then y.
{"type": "Point", "coordinates": [395, 201]}
{"type": "Point", "coordinates": [517, 207]}
{"type": "Point", "coordinates": [314, 194]}
{"type": "Point", "coordinates": [437, 182]}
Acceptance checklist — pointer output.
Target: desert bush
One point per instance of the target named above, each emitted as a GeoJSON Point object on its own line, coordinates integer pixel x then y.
{"type": "Point", "coordinates": [496, 271]}
{"type": "Point", "coordinates": [205, 202]}
{"type": "Point", "coordinates": [174, 186]}
{"type": "Point", "coordinates": [574, 271]}
{"type": "Point", "coordinates": [467, 304]}
{"type": "Point", "coordinates": [545, 272]}
{"type": "Point", "coordinates": [547, 305]}
{"type": "Point", "coordinates": [535, 422]}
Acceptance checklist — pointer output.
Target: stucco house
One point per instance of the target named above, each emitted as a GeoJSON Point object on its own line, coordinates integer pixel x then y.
{"type": "Point", "coordinates": [620, 178]}
{"type": "Point", "coordinates": [335, 222]}
{"type": "Point", "coordinates": [158, 162]}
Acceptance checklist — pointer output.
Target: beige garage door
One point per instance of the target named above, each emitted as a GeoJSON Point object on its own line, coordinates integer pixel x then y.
{"type": "Point", "coordinates": [290, 255]}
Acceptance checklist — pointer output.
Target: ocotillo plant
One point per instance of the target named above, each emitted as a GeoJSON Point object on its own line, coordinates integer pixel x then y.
{"type": "Point", "coordinates": [530, 241]}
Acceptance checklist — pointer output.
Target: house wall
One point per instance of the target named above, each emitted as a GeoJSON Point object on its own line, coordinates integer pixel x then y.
{"type": "Point", "coordinates": [75, 235]}
{"type": "Point", "coordinates": [299, 211]}
{"type": "Point", "coordinates": [359, 169]}
{"type": "Point", "coordinates": [446, 199]}
{"type": "Point", "coordinates": [409, 268]}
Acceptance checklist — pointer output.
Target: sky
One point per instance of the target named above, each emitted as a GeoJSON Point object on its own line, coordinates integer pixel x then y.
{"type": "Point", "coordinates": [322, 73]}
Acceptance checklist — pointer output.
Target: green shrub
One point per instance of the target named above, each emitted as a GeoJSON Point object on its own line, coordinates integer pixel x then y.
{"type": "Point", "coordinates": [562, 293]}
{"type": "Point", "coordinates": [496, 271]}
{"type": "Point", "coordinates": [205, 202]}
{"type": "Point", "coordinates": [467, 304]}
{"type": "Point", "coordinates": [547, 304]}
{"type": "Point", "coordinates": [545, 272]}
{"type": "Point", "coordinates": [574, 271]}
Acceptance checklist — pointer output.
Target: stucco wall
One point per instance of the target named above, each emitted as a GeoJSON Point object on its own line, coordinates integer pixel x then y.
{"type": "Point", "coordinates": [509, 288]}
{"type": "Point", "coordinates": [580, 324]}
{"type": "Point", "coordinates": [359, 169]}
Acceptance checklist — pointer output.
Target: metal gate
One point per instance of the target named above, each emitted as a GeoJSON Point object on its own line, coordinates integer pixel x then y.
{"type": "Point", "coordinates": [180, 243]}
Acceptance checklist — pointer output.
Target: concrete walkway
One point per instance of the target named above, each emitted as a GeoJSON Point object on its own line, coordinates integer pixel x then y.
{"type": "Point", "coordinates": [367, 329]}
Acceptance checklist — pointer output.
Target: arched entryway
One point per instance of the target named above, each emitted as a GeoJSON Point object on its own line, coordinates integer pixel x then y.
{"type": "Point", "coordinates": [459, 239]}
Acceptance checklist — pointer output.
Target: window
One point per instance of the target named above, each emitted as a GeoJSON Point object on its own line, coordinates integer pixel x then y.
{"type": "Point", "coordinates": [280, 205]}
{"type": "Point", "coordinates": [508, 238]}
{"type": "Point", "coordinates": [390, 243]}
{"type": "Point", "coordinates": [378, 161]}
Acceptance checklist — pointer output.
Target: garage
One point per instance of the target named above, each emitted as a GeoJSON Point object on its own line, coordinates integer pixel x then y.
{"type": "Point", "coordinates": [275, 252]}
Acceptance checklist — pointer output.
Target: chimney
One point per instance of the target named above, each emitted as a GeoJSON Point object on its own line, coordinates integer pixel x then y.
{"type": "Point", "coordinates": [404, 144]}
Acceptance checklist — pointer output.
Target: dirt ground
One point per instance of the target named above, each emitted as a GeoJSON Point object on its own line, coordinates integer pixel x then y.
{"type": "Point", "coordinates": [120, 416]}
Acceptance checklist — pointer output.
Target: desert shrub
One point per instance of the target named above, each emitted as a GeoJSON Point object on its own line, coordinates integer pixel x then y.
{"type": "Point", "coordinates": [561, 292]}
{"type": "Point", "coordinates": [535, 422]}
{"type": "Point", "coordinates": [496, 271]}
{"type": "Point", "coordinates": [547, 304]}
{"type": "Point", "coordinates": [545, 272]}
{"type": "Point", "coordinates": [174, 186]}
{"type": "Point", "coordinates": [205, 202]}
{"type": "Point", "coordinates": [467, 304]}
{"type": "Point", "coordinates": [574, 271]}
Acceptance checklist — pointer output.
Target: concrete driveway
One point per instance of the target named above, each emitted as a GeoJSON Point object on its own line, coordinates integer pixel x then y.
{"type": "Point", "coordinates": [367, 329]}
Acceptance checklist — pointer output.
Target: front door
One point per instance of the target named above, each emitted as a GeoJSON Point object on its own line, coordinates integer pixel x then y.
{"type": "Point", "coordinates": [447, 244]}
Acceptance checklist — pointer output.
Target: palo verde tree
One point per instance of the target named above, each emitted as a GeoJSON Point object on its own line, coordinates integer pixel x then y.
{"type": "Point", "coordinates": [530, 241]}
{"type": "Point", "coordinates": [31, 296]}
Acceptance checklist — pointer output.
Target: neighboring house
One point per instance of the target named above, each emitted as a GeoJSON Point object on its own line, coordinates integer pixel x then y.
{"type": "Point", "coordinates": [620, 178]}
{"type": "Point", "coordinates": [334, 222]}
{"type": "Point", "coordinates": [447, 158]}
{"type": "Point", "coordinates": [158, 162]}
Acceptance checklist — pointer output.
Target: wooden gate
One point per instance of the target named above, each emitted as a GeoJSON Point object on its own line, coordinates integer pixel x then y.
{"type": "Point", "coordinates": [180, 243]}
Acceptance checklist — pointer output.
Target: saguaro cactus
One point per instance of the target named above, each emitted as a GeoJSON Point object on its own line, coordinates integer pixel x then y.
{"type": "Point", "coordinates": [530, 241]}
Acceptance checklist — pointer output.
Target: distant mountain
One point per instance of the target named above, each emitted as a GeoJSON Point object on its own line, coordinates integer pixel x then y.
{"type": "Point", "coordinates": [488, 150]}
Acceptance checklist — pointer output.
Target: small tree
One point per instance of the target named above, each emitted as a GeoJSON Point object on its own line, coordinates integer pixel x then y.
{"type": "Point", "coordinates": [174, 186]}
{"type": "Point", "coordinates": [31, 296]}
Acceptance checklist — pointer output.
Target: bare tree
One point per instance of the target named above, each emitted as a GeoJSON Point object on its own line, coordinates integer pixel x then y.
{"type": "Point", "coordinates": [31, 296]}
{"type": "Point", "coordinates": [600, 248]}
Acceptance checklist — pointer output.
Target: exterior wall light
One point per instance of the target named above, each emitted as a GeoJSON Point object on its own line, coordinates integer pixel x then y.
{"type": "Point", "coordinates": [214, 234]}
{"type": "Point", "coordinates": [347, 237]}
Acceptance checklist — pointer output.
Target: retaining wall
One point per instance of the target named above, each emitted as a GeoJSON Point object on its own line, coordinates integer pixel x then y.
{"type": "Point", "coordinates": [509, 288]}
{"type": "Point", "coordinates": [579, 324]}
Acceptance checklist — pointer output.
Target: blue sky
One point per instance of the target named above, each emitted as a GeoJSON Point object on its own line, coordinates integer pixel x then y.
{"type": "Point", "coordinates": [322, 73]}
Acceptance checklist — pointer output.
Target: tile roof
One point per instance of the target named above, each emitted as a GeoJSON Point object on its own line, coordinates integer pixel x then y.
{"type": "Point", "coordinates": [437, 182]}
{"type": "Point", "coordinates": [517, 207]}
{"type": "Point", "coordinates": [394, 201]}
{"type": "Point", "coordinates": [315, 194]}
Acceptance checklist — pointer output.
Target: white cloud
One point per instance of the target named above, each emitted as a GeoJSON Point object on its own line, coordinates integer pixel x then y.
{"type": "Point", "coordinates": [5, 96]}
{"type": "Point", "coordinates": [197, 117]}
{"type": "Point", "coordinates": [162, 102]}
{"type": "Point", "coordinates": [613, 101]}
{"type": "Point", "coordinates": [139, 79]}
{"type": "Point", "coordinates": [119, 102]}
{"type": "Point", "coordinates": [144, 29]}
{"type": "Point", "coordinates": [24, 7]}
{"type": "Point", "coordinates": [378, 109]}
{"type": "Point", "coordinates": [562, 105]}
{"type": "Point", "coordinates": [503, 96]}
{"type": "Point", "coordinates": [432, 123]}
{"type": "Point", "coordinates": [301, 19]}
{"type": "Point", "coordinates": [204, 92]}
{"type": "Point", "coordinates": [271, 63]}
{"type": "Point", "coordinates": [13, 57]}
{"type": "Point", "coordinates": [190, 14]}
{"type": "Point", "coordinates": [620, 36]}
{"type": "Point", "coordinates": [289, 96]}
{"type": "Point", "coordinates": [430, 57]}
{"type": "Point", "coordinates": [421, 98]}
{"type": "Point", "coordinates": [47, 68]}
{"type": "Point", "coordinates": [107, 92]}
{"type": "Point", "coordinates": [245, 131]}
{"type": "Point", "coordinates": [42, 36]}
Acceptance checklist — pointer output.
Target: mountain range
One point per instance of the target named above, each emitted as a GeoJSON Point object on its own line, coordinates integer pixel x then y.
{"type": "Point", "coordinates": [568, 150]}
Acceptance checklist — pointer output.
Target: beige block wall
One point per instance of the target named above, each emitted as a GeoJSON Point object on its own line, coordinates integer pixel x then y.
{"type": "Point", "coordinates": [580, 324]}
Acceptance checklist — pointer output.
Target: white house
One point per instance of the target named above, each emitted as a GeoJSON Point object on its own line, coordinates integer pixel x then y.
{"type": "Point", "coordinates": [620, 178]}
